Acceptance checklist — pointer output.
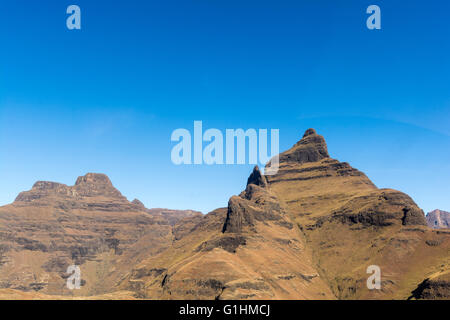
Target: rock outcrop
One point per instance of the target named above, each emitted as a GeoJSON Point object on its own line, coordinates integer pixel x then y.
{"type": "Point", "coordinates": [311, 148]}
{"type": "Point", "coordinates": [437, 287]}
{"type": "Point", "coordinates": [256, 203]}
{"type": "Point", "coordinates": [90, 185]}
{"type": "Point", "coordinates": [438, 219]}
{"type": "Point", "coordinates": [138, 203]}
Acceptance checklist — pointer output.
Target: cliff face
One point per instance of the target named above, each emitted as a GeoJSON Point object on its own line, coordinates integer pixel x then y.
{"type": "Point", "coordinates": [308, 232]}
{"type": "Point", "coordinates": [438, 219]}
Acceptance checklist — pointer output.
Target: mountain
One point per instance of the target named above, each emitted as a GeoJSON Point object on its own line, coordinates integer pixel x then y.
{"type": "Point", "coordinates": [90, 224]}
{"type": "Point", "coordinates": [350, 224]}
{"type": "Point", "coordinates": [438, 219]}
{"type": "Point", "coordinates": [308, 232]}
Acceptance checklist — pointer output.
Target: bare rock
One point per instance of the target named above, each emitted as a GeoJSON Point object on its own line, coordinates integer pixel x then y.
{"type": "Point", "coordinates": [438, 219]}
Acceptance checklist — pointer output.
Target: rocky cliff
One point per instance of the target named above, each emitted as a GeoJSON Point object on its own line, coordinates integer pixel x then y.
{"type": "Point", "coordinates": [438, 219]}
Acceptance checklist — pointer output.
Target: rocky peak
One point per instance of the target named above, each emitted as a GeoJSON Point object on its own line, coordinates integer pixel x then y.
{"type": "Point", "coordinates": [138, 203]}
{"type": "Point", "coordinates": [311, 148]}
{"type": "Point", "coordinates": [90, 185]}
{"type": "Point", "coordinates": [255, 203]}
{"type": "Point", "coordinates": [309, 132]}
{"type": "Point", "coordinates": [94, 178]}
{"type": "Point", "coordinates": [42, 189]}
{"type": "Point", "coordinates": [438, 219]}
{"type": "Point", "coordinates": [96, 184]}
{"type": "Point", "coordinates": [257, 178]}
{"type": "Point", "coordinates": [46, 185]}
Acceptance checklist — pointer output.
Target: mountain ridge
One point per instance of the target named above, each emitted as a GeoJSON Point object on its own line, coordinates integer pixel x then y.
{"type": "Point", "coordinates": [307, 232]}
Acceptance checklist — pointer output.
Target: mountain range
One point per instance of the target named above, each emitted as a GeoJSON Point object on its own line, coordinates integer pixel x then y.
{"type": "Point", "coordinates": [308, 232]}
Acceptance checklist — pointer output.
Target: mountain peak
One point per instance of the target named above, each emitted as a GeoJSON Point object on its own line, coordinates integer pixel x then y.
{"type": "Point", "coordinates": [312, 147]}
{"type": "Point", "coordinates": [309, 132]}
{"type": "Point", "coordinates": [94, 178]}
{"type": "Point", "coordinates": [257, 178]}
{"type": "Point", "coordinates": [96, 184]}
{"type": "Point", "coordinates": [138, 203]}
{"type": "Point", "coordinates": [89, 185]}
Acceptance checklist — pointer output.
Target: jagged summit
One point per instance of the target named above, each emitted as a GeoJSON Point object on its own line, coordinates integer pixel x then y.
{"type": "Point", "coordinates": [309, 132]}
{"type": "Point", "coordinates": [96, 184]}
{"type": "Point", "coordinates": [311, 148]}
{"type": "Point", "coordinates": [257, 178]}
{"type": "Point", "coordinates": [138, 203]}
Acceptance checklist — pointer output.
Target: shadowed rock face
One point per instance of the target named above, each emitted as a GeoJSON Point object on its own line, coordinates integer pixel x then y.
{"type": "Point", "coordinates": [310, 148]}
{"type": "Point", "coordinates": [434, 288]}
{"type": "Point", "coordinates": [380, 209]}
{"type": "Point", "coordinates": [438, 219]}
{"type": "Point", "coordinates": [257, 178]}
{"type": "Point", "coordinates": [239, 216]}
{"type": "Point", "coordinates": [255, 203]}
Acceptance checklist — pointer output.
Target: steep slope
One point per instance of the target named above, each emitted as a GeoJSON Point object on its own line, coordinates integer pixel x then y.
{"type": "Point", "coordinates": [438, 219]}
{"type": "Point", "coordinates": [249, 250]}
{"type": "Point", "coordinates": [90, 224]}
{"type": "Point", "coordinates": [350, 224]}
{"type": "Point", "coordinates": [436, 287]}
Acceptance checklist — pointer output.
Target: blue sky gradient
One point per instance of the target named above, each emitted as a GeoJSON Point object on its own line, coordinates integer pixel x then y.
{"type": "Point", "coordinates": [106, 98]}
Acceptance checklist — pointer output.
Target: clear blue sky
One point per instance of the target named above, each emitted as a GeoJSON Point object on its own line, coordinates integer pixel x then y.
{"type": "Point", "coordinates": [106, 98]}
